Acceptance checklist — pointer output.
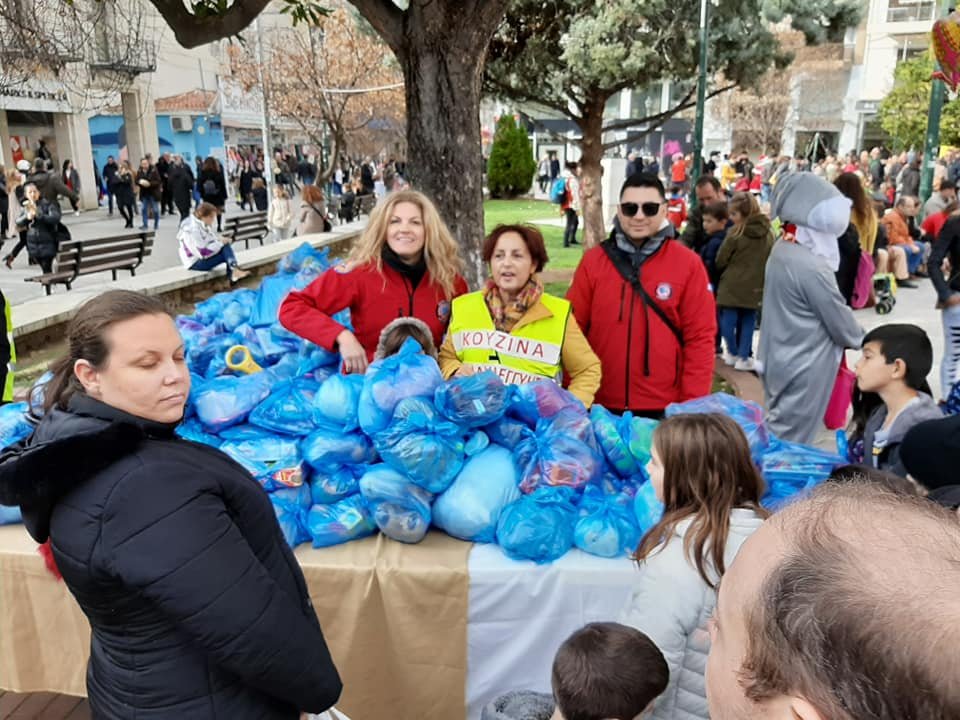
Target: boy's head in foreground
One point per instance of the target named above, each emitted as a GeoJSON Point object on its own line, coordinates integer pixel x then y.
{"type": "Point", "coordinates": [607, 671]}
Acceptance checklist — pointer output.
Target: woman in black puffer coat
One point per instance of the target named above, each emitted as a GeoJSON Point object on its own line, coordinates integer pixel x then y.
{"type": "Point", "coordinates": [213, 188]}
{"type": "Point", "coordinates": [197, 607]}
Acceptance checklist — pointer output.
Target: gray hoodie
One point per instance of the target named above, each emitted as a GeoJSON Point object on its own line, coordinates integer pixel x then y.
{"type": "Point", "coordinates": [882, 449]}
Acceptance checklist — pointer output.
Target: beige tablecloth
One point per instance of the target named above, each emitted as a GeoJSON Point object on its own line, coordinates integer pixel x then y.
{"type": "Point", "coordinates": [394, 615]}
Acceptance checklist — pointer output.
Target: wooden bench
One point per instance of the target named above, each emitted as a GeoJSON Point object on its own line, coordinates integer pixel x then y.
{"type": "Point", "coordinates": [86, 257]}
{"type": "Point", "coordinates": [244, 228]}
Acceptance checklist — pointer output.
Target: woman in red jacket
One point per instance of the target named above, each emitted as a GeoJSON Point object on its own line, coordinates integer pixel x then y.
{"type": "Point", "coordinates": [406, 264]}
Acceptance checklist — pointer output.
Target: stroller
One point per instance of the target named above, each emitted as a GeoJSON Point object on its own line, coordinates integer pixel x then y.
{"type": "Point", "coordinates": [885, 292]}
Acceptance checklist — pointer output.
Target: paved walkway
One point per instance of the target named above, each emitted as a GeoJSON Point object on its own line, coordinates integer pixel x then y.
{"type": "Point", "coordinates": [92, 224]}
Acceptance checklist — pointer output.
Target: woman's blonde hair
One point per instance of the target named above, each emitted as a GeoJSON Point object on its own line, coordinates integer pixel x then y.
{"type": "Point", "coordinates": [439, 249]}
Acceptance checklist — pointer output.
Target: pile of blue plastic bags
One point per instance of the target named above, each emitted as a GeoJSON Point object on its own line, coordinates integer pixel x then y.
{"type": "Point", "coordinates": [399, 450]}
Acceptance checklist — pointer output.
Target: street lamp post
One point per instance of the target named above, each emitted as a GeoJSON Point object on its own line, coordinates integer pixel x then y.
{"type": "Point", "coordinates": [701, 101]}
{"type": "Point", "coordinates": [931, 146]}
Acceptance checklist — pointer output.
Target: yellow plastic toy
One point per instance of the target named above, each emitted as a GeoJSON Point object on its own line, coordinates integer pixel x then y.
{"type": "Point", "coordinates": [245, 363]}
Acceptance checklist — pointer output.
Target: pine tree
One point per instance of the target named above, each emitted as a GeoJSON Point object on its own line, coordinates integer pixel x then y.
{"type": "Point", "coordinates": [511, 166]}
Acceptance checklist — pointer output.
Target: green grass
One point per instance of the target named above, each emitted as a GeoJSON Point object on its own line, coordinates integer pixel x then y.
{"type": "Point", "coordinates": [497, 212]}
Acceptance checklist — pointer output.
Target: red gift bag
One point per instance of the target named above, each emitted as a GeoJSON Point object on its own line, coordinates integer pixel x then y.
{"type": "Point", "coordinates": [842, 396]}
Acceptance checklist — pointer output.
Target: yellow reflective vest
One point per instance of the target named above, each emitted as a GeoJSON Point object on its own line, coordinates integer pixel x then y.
{"type": "Point", "coordinates": [8, 385]}
{"type": "Point", "coordinates": [526, 354]}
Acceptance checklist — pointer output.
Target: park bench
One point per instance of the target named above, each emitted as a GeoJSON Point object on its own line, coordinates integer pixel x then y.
{"type": "Point", "coordinates": [244, 228]}
{"type": "Point", "coordinates": [86, 257]}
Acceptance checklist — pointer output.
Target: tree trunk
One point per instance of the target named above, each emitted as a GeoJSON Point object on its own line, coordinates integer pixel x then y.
{"type": "Point", "coordinates": [441, 45]}
{"type": "Point", "coordinates": [591, 171]}
{"type": "Point", "coordinates": [444, 158]}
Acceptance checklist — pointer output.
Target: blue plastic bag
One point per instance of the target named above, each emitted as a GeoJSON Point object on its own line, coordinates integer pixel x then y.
{"type": "Point", "coordinates": [507, 432]}
{"type": "Point", "coordinates": [533, 402]}
{"type": "Point", "coordinates": [335, 403]}
{"type": "Point", "coordinates": [647, 509]}
{"type": "Point", "coordinates": [288, 408]}
{"type": "Point", "coordinates": [562, 452]}
{"type": "Point", "coordinates": [474, 400]}
{"type": "Point", "coordinates": [290, 506]}
{"type": "Point", "coordinates": [227, 401]}
{"type": "Point", "coordinates": [791, 468]}
{"type": "Point", "coordinates": [475, 443]}
{"type": "Point", "coordinates": [292, 499]}
{"type": "Point", "coordinates": [606, 525]}
{"type": "Point", "coordinates": [400, 508]}
{"type": "Point", "coordinates": [290, 525]}
{"type": "Point", "coordinates": [422, 445]}
{"type": "Point", "coordinates": [333, 484]}
{"type": "Point", "coordinates": [274, 461]}
{"type": "Point", "coordinates": [409, 373]}
{"type": "Point", "coordinates": [614, 446]}
{"type": "Point", "coordinates": [192, 430]}
{"type": "Point", "coordinates": [14, 426]}
{"type": "Point", "coordinates": [326, 447]}
{"type": "Point", "coordinates": [37, 396]}
{"type": "Point", "coordinates": [273, 290]}
{"type": "Point", "coordinates": [748, 416]}
{"type": "Point", "coordinates": [348, 519]}
{"type": "Point", "coordinates": [10, 515]}
{"type": "Point", "coordinates": [470, 508]}
{"type": "Point", "coordinates": [303, 255]}
{"type": "Point", "coordinates": [538, 526]}
{"type": "Point", "coordinates": [235, 314]}
{"type": "Point", "coordinates": [638, 434]}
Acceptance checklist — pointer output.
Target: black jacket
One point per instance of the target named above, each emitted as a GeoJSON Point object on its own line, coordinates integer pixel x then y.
{"type": "Point", "coordinates": [122, 187]}
{"type": "Point", "coordinates": [947, 245]}
{"type": "Point", "coordinates": [219, 195]}
{"type": "Point", "coordinates": [42, 239]}
{"type": "Point", "coordinates": [180, 181]}
{"type": "Point", "coordinates": [849, 246]}
{"type": "Point", "coordinates": [51, 186]}
{"type": "Point", "coordinates": [110, 172]}
{"type": "Point", "coordinates": [197, 606]}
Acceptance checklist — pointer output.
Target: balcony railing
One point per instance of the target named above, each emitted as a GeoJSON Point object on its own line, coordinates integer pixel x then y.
{"type": "Point", "coordinates": [919, 12]}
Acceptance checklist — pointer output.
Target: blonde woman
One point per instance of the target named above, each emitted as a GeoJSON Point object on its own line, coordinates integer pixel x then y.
{"type": "Point", "coordinates": [406, 264]}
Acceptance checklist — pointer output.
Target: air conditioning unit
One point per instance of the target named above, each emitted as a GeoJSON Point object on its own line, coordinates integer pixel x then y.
{"type": "Point", "coordinates": [182, 123]}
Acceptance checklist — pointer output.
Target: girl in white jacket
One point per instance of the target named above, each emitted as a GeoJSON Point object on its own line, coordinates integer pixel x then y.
{"type": "Point", "coordinates": [200, 247]}
{"type": "Point", "coordinates": [280, 214]}
{"type": "Point", "coordinates": [702, 472]}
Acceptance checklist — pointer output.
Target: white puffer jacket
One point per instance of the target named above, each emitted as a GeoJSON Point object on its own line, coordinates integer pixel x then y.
{"type": "Point", "coordinates": [672, 605]}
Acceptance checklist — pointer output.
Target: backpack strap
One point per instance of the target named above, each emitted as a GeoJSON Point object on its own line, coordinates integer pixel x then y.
{"type": "Point", "coordinates": [624, 267]}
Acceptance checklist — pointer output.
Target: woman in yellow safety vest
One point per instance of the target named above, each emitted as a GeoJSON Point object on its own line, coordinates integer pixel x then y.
{"type": "Point", "coordinates": [512, 327]}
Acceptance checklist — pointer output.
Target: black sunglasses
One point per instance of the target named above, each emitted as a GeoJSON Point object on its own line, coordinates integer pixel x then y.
{"type": "Point", "coordinates": [650, 209]}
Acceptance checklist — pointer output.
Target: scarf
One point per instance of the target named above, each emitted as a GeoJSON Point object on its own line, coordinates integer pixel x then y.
{"type": "Point", "coordinates": [507, 315]}
{"type": "Point", "coordinates": [639, 253]}
{"type": "Point", "coordinates": [413, 272]}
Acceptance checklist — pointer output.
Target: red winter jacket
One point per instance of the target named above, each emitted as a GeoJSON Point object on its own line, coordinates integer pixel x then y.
{"type": "Point", "coordinates": [375, 297]}
{"type": "Point", "coordinates": [644, 366]}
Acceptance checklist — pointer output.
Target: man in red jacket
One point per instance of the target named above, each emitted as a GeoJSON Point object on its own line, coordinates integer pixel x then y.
{"type": "Point", "coordinates": [644, 303]}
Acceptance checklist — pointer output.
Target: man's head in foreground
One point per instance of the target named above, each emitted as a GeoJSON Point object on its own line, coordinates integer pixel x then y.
{"type": "Point", "coordinates": [843, 606]}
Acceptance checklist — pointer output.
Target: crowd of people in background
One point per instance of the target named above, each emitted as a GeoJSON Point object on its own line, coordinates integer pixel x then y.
{"type": "Point", "coordinates": [733, 615]}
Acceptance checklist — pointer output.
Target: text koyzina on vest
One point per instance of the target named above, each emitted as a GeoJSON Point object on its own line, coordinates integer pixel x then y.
{"type": "Point", "coordinates": [502, 342]}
